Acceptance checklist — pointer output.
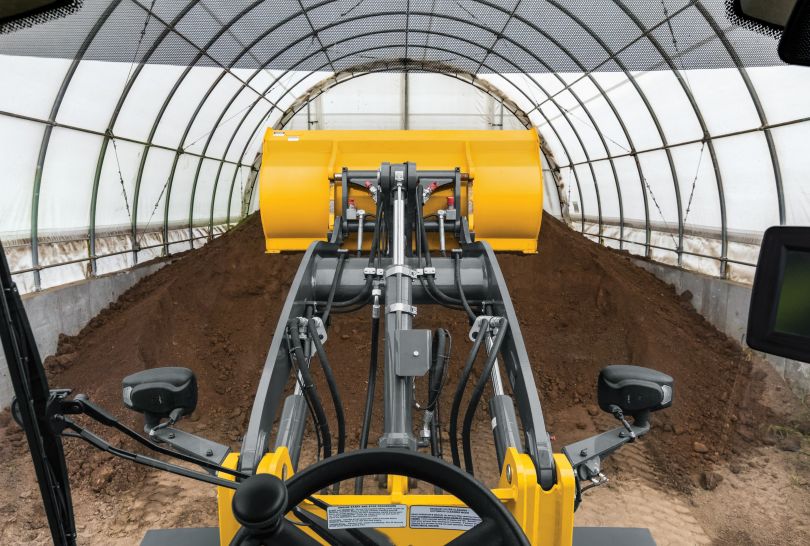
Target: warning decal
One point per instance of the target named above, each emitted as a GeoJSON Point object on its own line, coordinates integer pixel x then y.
{"type": "Point", "coordinates": [358, 516]}
{"type": "Point", "coordinates": [443, 517]}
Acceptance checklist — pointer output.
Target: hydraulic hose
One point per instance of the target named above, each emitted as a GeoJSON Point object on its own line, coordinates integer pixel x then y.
{"type": "Point", "coordinates": [372, 385]}
{"type": "Point", "coordinates": [335, 281]}
{"type": "Point", "coordinates": [309, 389]}
{"type": "Point", "coordinates": [437, 377]}
{"type": "Point", "coordinates": [432, 290]}
{"type": "Point", "coordinates": [360, 299]}
{"type": "Point", "coordinates": [462, 385]}
{"type": "Point", "coordinates": [475, 397]}
{"type": "Point", "coordinates": [330, 380]}
{"type": "Point", "coordinates": [464, 302]}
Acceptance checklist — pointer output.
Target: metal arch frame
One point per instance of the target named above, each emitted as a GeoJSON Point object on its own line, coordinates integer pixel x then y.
{"type": "Point", "coordinates": [489, 52]}
{"type": "Point", "coordinates": [261, 122]}
{"type": "Point", "coordinates": [333, 80]}
{"type": "Point", "coordinates": [109, 134]}
{"type": "Point", "coordinates": [296, 107]}
{"type": "Point", "coordinates": [763, 119]}
{"type": "Point", "coordinates": [169, 27]}
{"type": "Point", "coordinates": [653, 116]}
{"type": "Point", "coordinates": [356, 52]}
{"type": "Point", "coordinates": [706, 136]}
{"type": "Point", "coordinates": [169, 97]}
{"type": "Point", "coordinates": [452, 36]}
{"type": "Point", "coordinates": [46, 136]}
{"type": "Point", "coordinates": [308, 96]}
{"type": "Point", "coordinates": [646, 33]}
{"type": "Point", "coordinates": [604, 95]}
{"type": "Point", "coordinates": [520, 46]}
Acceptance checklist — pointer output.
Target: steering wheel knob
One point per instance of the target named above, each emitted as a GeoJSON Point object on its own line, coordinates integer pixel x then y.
{"type": "Point", "coordinates": [260, 502]}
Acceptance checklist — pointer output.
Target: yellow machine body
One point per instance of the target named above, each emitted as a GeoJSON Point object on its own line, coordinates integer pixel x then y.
{"type": "Point", "coordinates": [547, 517]}
{"type": "Point", "coordinates": [502, 195]}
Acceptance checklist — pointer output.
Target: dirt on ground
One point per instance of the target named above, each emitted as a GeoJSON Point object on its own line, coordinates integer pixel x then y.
{"type": "Point", "coordinates": [725, 465]}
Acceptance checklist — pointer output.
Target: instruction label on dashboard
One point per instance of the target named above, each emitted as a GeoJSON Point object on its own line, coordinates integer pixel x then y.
{"type": "Point", "coordinates": [359, 516]}
{"type": "Point", "coordinates": [456, 518]}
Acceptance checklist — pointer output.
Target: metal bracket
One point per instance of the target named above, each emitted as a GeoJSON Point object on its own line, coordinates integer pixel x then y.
{"type": "Point", "coordinates": [303, 329]}
{"type": "Point", "coordinates": [373, 271]}
{"type": "Point", "coordinates": [479, 321]}
{"type": "Point", "coordinates": [401, 307]}
{"type": "Point", "coordinates": [400, 270]}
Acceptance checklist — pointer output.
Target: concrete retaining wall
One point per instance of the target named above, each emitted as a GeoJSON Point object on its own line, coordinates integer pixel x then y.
{"type": "Point", "coordinates": [67, 309]}
{"type": "Point", "coordinates": [725, 305]}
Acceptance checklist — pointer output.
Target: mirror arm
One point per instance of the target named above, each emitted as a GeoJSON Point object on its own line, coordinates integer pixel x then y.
{"type": "Point", "coordinates": [103, 445]}
{"type": "Point", "coordinates": [193, 445]}
{"type": "Point", "coordinates": [594, 449]}
{"type": "Point", "coordinates": [190, 448]}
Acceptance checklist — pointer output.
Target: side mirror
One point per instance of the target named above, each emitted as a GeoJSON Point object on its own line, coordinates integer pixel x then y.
{"type": "Point", "coordinates": [634, 390]}
{"type": "Point", "coordinates": [161, 393]}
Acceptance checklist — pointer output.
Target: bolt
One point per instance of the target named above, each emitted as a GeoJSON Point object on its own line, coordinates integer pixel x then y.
{"type": "Point", "coordinates": [583, 453]}
{"type": "Point", "coordinates": [416, 353]}
{"type": "Point", "coordinates": [509, 473]}
{"type": "Point", "coordinates": [171, 436]}
{"type": "Point", "coordinates": [209, 453]}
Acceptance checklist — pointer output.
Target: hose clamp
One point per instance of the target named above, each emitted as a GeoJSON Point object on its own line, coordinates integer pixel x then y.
{"type": "Point", "coordinates": [401, 307]}
{"type": "Point", "coordinates": [479, 324]}
{"type": "Point", "coordinates": [400, 270]}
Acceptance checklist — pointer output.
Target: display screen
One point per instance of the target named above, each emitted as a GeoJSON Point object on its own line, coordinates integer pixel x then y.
{"type": "Point", "coordinates": [793, 312]}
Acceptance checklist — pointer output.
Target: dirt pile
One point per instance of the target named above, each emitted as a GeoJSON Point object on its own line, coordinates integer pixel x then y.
{"type": "Point", "coordinates": [581, 307]}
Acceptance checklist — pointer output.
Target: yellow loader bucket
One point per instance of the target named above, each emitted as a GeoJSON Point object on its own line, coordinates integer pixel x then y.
{"type": "Point", "coordinates": [502, 196]}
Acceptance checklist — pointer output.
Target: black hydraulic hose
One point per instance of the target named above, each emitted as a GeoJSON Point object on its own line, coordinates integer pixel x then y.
{"type": "Point", "coordinates": [432, 290]}
{"type": "Point", "coordinates": [436, 380]}
{"type": "Point", "coordinates": [462, 385]}
{"type": "Point", "coordinates": [372, 385]}
{"type": "Point", "coordinates": [475, 397]}
{"type": "Point", "coordinates": [464, 302]}
{"type": "Point", "coordinates": [330, 380]}
{"type": "Point", "coordinates": [310, 391]}
{"type": "Point", "coordinates": [335, 281]}
{"type": "Point", "coordinates": [360, 299]}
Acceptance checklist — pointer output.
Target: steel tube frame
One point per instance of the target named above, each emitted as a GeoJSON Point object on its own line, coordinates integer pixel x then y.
{"type": "Point", "coordinates": [596, 83]}
{"type": "Point", "coordinates": [511, 15]}
{"type": "Point", "coordinates": [330, 63]}
{"type": "Point", "coordinates": [109, 134]}
{"type": "Point", "coordinates": [763, 119]}
{"type": "Point", "coordinates": [520, 91]}
{"type": "Point", "coordinates": [46, 137]}
{"type": "Point", "coordinates": [574, 130]}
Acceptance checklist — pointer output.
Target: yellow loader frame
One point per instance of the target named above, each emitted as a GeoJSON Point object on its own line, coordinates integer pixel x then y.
{"type": "Point", "coordinates": [547, 517]}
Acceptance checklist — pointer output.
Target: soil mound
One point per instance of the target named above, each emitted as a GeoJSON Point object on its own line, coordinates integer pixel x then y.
{"type": "Point", "coordinates": [581, 307]}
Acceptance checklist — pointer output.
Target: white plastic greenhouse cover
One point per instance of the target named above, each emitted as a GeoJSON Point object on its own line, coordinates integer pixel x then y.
{"type": "Point", "coordinates": [131, 129]}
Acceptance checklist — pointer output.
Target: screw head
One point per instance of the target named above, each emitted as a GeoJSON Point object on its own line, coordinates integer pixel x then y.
{"type": "Point", "coordinates": [509, 473]}
{"type": "Point", "coordinates": [416, 353]}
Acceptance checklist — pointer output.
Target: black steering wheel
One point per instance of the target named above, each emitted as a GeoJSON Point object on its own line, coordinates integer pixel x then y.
{"type": "Point", "coordinates": [262, 500]}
